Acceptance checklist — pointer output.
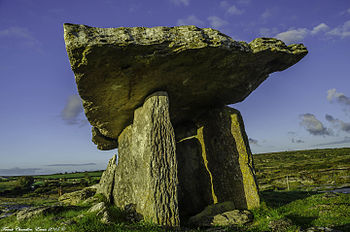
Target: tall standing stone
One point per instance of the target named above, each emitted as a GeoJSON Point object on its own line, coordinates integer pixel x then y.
{"type": "Point", "coordinates": [146, 174]}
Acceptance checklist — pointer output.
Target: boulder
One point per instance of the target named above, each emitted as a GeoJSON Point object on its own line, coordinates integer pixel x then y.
{"type": "Point", "coordinates": [221, 214]}
{"type": "Point", "coordinates": [146, 174]}
{"type": "Point", "coordinates": [36, 211]}
{"type": "Point", "coordinates": [117, 68]}
{"type": "Point", "coordinates": [106, 183]}
{"type": "Point", "coordinates": [98, 208]}
{"type": "Point", "coordinates": [280, 225]}
{"type": "Point", "coordinates": [77, 197]}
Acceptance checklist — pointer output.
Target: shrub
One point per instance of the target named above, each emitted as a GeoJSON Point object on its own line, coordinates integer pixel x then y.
{"type": "Point", "coordinates": [25, 181]}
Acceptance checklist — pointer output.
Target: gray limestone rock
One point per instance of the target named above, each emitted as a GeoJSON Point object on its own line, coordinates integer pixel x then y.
{"type": "Point", "coordinates": [36, 211]}
{"type": "Point", "coordinates": [107, 180]}
{"type": "Point", "coordinates": [117, 68]}
{"type": "Point", "coordinates": [77, 197]}
{"type": "Point", "coordinates": [221, 214]}
{"type": "Point", "coordinates": [146, 174]}
{"type": "Point", "coordinates": [98, 208]}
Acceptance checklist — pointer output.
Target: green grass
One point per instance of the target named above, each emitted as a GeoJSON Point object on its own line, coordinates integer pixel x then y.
{"type": "Point", "coordinates": [302, 209]}
{"type": "Point", "coordinates": [299, 208]}
{"type": "Point", "coordinates": [77, 175]}
{"type": "Point", "coordinates": [303, 170]}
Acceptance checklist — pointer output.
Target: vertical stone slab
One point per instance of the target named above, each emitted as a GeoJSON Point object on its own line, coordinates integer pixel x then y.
{"type": "Point", "coordinates": [146, 174]}
{"type": "Point", "coordinates": [106, 183]}
{"type": "Point", "coordinates": [221, 167]}
{"type": "Point", "coordinates": [246, 162]}
{"type": "Point", "coordinates": [229, 158]}
{"type": "Point", "coordinates": [195, 189]}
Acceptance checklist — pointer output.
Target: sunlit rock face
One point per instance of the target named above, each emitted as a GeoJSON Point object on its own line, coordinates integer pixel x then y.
{"type": "Point", "coordinates": [117, 68]}
{"type": "Point", "coordinates": [159, 95]}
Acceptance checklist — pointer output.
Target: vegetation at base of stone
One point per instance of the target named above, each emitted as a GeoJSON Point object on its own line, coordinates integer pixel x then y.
{"type": "Point", "coordinates": [310, 210]}
{"type": "Point", "coordinates": [303, 170]}
{"type": "Point", "coordinates": [281, 210]}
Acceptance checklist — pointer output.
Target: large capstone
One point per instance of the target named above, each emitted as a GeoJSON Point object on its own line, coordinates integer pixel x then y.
{"type": "Point", "coordinates": [117, 68]}
{"type": "Point", "coordinates": [146, 174]}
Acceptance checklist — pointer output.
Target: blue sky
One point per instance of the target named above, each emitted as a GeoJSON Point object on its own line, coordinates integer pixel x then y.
{"type": "Point", "coordinates": [44, 130]}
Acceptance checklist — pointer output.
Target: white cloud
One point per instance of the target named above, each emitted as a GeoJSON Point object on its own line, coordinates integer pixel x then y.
{"type": "Point", "coordinates": [293, 35]}
{"type": "Point", "coordinates": [190, 20]}
{"type": "Point", "coordinates": [344, 126]}
{"type": "Point", "coordinates": [20, 33]}
{"type": "Point", "coordinates": [313, 125]}
{"type": "Point", "coordinates": [231, 9]}
{"type": "Point", "coordinates": [332, 94]}
{"type": "Point", "coordinates": [341, 31]}
{"type": "Point", "coordinates": [216, 22]}
{"type": "Point", "coordinates": [72, 109]}
{"type": "Point", "coordinates": [322, 27]}
{"type": "Point", "coordinates": [179, 2]}
{"type": "Point", "coordinates": [348, 11]}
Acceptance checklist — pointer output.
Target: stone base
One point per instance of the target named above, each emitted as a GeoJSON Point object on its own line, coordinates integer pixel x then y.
{"type": "Point", "coordinates": [169, 177]}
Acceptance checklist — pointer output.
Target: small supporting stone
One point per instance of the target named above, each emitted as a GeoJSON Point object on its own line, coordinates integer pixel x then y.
{"type": "Point", "coordinates": [146, 174]}
{"type": "Point", "coordinates": [106, 184]}
{"type": "Point", "coordinates": [215, 163]}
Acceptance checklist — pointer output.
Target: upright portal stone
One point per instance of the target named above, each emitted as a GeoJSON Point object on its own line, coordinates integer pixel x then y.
{"type": "Point", "coordinates": [146, 174]}
{"type": "Point", "coordinates": [215, 163]}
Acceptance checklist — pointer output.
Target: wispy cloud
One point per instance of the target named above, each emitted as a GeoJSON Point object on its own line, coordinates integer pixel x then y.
{"type": "Point", "coordinates": [230, 8]}
{"type": "Point", "coordinates": [346, 140]}
{"type": "Point", "coordinates": [293, 35]}
{"type": "Point", "coordinates": [313, 125]}
{"type": "Point", "coordinates": [341, 31]}
{"type": "Point", "coordinates": [294, 138]}
{"type": "Point", "coordinates": [190, 20]}
{"type": "Point", "coordinates": [19, 171]}
{"type": "Point", "coordinates": [181, 2]}
{"type": "Point", "coordinates": [322, 27]}
{"type": "Point", "coordinates": [72, 110]}
{"type": "Point", "coordinates": [297, 140]}
{"type": "Point", "coordinates": [343, 126]}
{"type": "Point", "coordinates": [70, 165]}
{"type": "Point", "coordinates": [332, 94]}
{"type": "Point", "coordinates": [216, 22]}
{"type": "Point", "coordinates": [298, 35]}
{"type": "Point", "coordinates": [21, 33]}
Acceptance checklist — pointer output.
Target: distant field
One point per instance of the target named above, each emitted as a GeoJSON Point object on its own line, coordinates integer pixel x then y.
{"type": "Point", "coordinates": [306, 170]}
{"type": "Point", "coordinates": [76, 175]}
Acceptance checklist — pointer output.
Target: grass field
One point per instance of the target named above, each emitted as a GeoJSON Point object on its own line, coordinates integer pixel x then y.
{"type": "Point", "coordinates": [289, 198]}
